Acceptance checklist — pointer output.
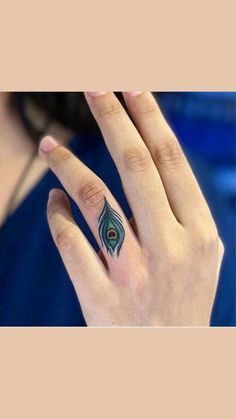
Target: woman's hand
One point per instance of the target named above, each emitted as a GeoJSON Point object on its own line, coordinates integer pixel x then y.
{"type": "Point", "coordinates": [161, 269]}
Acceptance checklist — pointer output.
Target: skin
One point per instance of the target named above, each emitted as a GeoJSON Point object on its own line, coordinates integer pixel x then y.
{"type": "Point", "coordinates": [168, 267]}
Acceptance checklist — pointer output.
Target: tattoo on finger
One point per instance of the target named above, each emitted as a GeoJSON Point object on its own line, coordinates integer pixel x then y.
{"type": "Point", "coordinates": [111, 230]}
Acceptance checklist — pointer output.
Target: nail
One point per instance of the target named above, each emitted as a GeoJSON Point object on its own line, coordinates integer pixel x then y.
{"type": "Point", "coordinates": [47, 144]}
{"type": "Point", "coordinates": [133, 93]}
{"type": "Point", "coordinates": [94, 94]}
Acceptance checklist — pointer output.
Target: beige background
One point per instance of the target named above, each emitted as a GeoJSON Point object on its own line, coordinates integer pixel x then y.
{"type": "Point", "coordinates": [117, 373]}
{"type": "Point", "coordinates": [117, 45]}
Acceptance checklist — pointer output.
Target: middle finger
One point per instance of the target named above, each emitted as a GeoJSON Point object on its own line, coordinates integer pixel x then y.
{"type": "Point", "coordinates": [140, 178]}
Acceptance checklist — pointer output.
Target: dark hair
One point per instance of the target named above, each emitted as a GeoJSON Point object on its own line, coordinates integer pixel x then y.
{"type": "Point", "coordinates": [68, 108]}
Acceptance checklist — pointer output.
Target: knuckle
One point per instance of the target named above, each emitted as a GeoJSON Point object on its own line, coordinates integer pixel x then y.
{"type": "Point", "coordinates": [64, 239]}
{"type": "Point", "coordinates": [137, 159]}
{"type": "Point", "coordinates": [206, 242]}
{"type": "Point", "coordinates": [109, 109]}
{"type": "Point", "coordinates": [169, 153]}
{"type": "Point", "coordinates": [173, 255]}
{"type": "Point", "coordinates": [175, 260]}
{"type": "Point", "coordinates": [221, 247]}
{"type": "Point", "coordinates": [92, 193]}
{"type": "Point", "coordinates": [147, 109]}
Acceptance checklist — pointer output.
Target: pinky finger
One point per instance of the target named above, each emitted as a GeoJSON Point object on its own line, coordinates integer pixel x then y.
{"type": "Point", "coordinates": [83, 265]}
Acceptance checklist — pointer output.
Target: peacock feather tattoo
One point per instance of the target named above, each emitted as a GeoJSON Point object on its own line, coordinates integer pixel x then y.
{"type": "Point", "coordinates": [111, 230]}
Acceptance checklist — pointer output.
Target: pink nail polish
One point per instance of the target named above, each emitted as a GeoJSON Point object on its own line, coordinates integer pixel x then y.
{"type": "Point", "coordinates": [94, 94]}
{"type": "Point", "coordinates": [47, 144]}
{"type": "Point", "coordinates": [133, 93]}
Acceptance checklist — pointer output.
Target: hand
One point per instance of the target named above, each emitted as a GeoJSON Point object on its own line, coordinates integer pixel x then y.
{"type": "Point", "coordinates": [162, 268]}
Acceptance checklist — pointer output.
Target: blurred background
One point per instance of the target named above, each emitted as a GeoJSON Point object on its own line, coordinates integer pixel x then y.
{"type": "Point", "coordinates": [205, 124]}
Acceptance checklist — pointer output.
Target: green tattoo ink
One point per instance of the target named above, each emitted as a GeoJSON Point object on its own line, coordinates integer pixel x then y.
{"type": "Point", "coordinates": [111, 230]}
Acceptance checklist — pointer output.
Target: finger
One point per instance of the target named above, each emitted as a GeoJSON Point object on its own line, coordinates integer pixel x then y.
{"type": "Point", "coordinates": [140, 178]}
{"type": "Point", "coordinates": [181, 186]}
{"type": "Point", "coordinates": [84, 267]}
{"type": "Point", "coordinates": [98, 206]}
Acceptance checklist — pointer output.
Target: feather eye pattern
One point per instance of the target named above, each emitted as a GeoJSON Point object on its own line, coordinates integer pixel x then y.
{"type": "Point", "coordinates": [111, 230]}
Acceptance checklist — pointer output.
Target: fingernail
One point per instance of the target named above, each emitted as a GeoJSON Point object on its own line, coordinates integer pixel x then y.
{"type": "Point", "coordinates": [93, 94]}
{"type": "Point", "coordinates": [133, 93]}
{"type": "Point", "coordinates": [47, 144]}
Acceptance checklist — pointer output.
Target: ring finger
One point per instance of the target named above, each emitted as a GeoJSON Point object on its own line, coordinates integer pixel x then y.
{"type": "Point", "coordinates": [98, 206]}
